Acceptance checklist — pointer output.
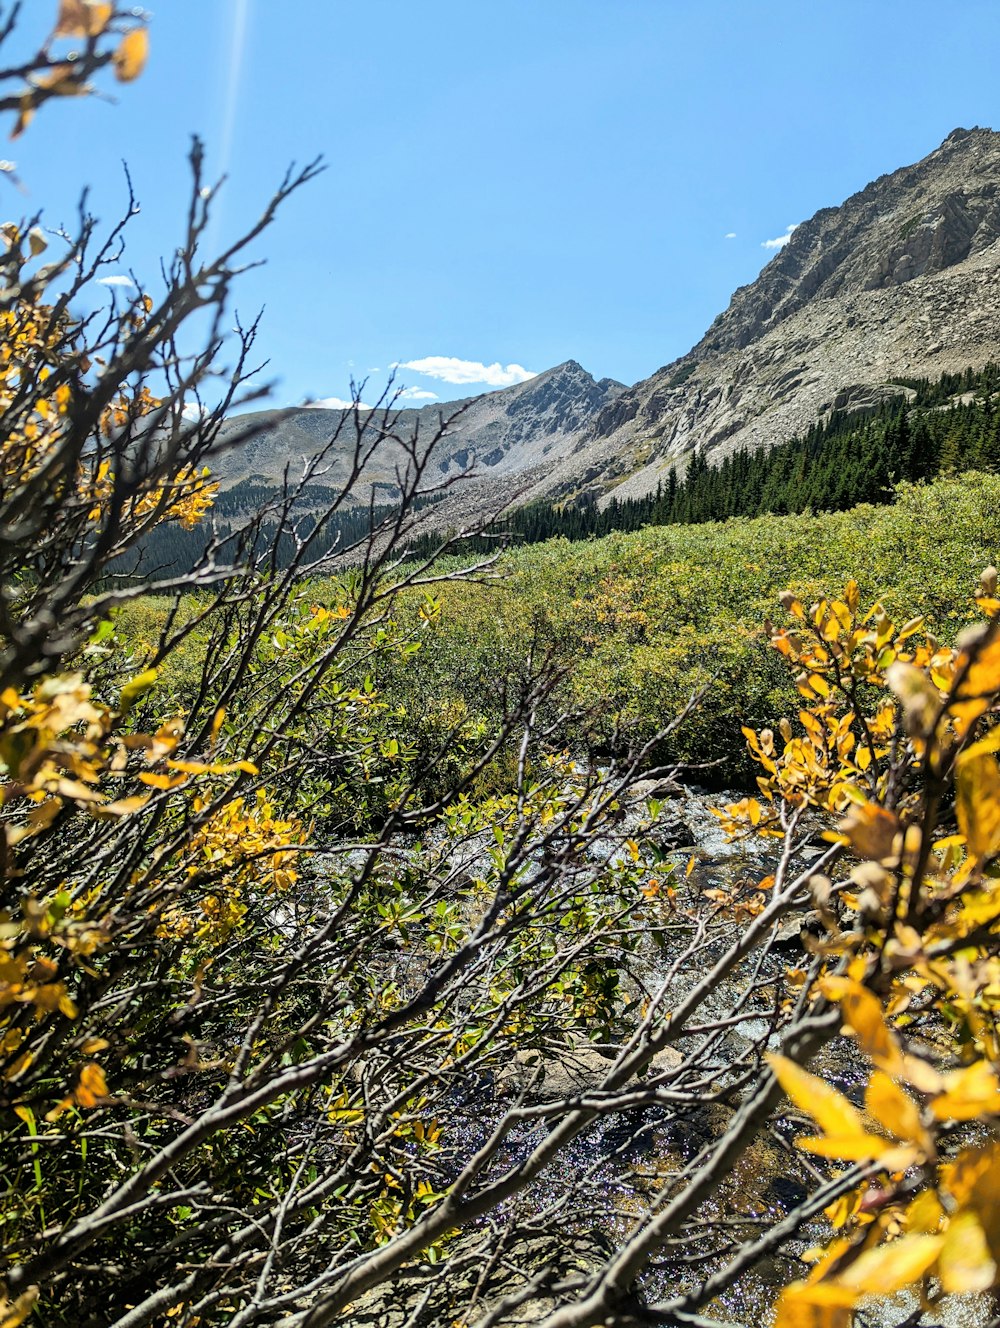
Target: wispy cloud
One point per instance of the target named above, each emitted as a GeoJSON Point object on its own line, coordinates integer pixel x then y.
{"type": "Point", "coordinates": [417, 394]}
{"type": "Point", "coordinates": [730, 235]}
{"type": "Point", "coordinates": [449, 369]}
{"type": "Point", "coordinates": [334, 403]}
{"type": "Point", "coordinates": [780, 241]}
{"type": "Point", "coordinates": [119, 279]}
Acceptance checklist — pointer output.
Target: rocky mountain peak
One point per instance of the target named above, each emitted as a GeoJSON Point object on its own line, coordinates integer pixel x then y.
{"type": "Point", "coordinates": [901, 279]}
{"type": "Point", "coordinates": [915, 221]}
{"type": "Point", "coordinates": [531, 425]}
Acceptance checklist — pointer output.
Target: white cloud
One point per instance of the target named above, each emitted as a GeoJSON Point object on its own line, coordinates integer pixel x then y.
{"type": "Point", "coordinates": [780, 241]}
{"type": "Point", "coordinates": [118, 280]}
{"type": "Point", "coordinates": [730, 235]}
{"type": "Point", "coordinates": [192, 411]}
{"type": "Point", "coordinates": [417, 394]}
{"type": "Point", "coordinates": [449, 369]}
{"type": "Point", "coordinates": [334, 403]}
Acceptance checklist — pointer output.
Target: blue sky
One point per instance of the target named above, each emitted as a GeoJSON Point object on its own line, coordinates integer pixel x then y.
{"type": "Point", "coordinates": [510, 183]}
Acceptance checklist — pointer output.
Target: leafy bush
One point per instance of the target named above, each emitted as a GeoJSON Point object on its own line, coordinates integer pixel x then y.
{"type": "Point", "coordinates": [331, 980]}
{"type": "Point", "coordinates": [640, 622]}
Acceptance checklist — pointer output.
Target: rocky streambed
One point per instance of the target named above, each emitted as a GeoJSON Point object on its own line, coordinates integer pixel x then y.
{"type": "Point", "coordinates": [624, 1159]}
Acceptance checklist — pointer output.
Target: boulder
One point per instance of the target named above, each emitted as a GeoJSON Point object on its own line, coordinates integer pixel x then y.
{"type": "Point", "coordinates": [562, 1072]}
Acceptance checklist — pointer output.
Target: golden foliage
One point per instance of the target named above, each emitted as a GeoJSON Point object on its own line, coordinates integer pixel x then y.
{"type": "Point", "coordinates": [82, 18]}
{"type": "Point", "coordinates": [90, 21]}
{"type": "Point", "coordinates": [130, 57]}
{"type": "Point", "coordinates": [893, 724]}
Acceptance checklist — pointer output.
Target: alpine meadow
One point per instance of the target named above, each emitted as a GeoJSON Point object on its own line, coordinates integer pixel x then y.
{"type": "Point", "coordinates": [526, 860]}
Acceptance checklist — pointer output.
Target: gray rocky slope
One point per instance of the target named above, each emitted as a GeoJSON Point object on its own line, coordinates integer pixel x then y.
{"type": "Point", "coordinates": [500, 435]}
{"type": "Point", "coordinates": [903, 279]}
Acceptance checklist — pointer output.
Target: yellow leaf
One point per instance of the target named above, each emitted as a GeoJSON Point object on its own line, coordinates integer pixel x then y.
{"type": "Point", "coordinates": [843, 1209]}
{"type": "Point", "coordinates": [831, 629]}
{"type": "Point", "coordinates": [72, 788]}
{"type": "Point", "coordinates": [82, 18]}
{"type": "Point", "coordinates": [909, 629]}
{"type": "Point", "coordinates": [14, 1312]}
{"type": "Point", "coordinates": [123, 806]}
{"type": "Point", "coordinates": [983, 677]}
{"type": "Point", "coordinates": [163, 781]}
{"type": "Point", "coordinates": [925, 1213]}
{"type": "Point", "coordinates": [135, 688]}
{"type": "Point", "coordinates": [969, 1094]}
{"type": "Point", "coordinates": [130, 58]}
{"type": "Point", "coordinates": [92, 1085]}
{"type": "Point", "coordinates": [871, 830]}
{"type": "Point", "coordinates": [863, 1013]}
{"type": "Point", "coordinates": [977, 801]}
{"type": "Point", "coordinates": [862, 1147]}
{"type": "Point", "coordinates": [973, 1179]}
{"type": "Point", "coordinates": [830, 1109]}
{"type": "Point", "coordinates": [893, 1109]}
{"type": "Point", "coordinates": [814, 1305]}
{"type": "Point", "coordinates": [978, 908]}
{"type": "Point", "coordinates": [921, 1075]}
{"type": "Point", "coordinates": [890, 1267]}
{"type": "Point", "coordinates": [966, 1263]}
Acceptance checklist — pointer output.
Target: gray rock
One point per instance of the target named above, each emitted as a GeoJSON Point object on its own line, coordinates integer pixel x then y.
{"type": "Point", "coordinates": [568, 1071]}
{"type": "Point", "coordinates": [500, 434]}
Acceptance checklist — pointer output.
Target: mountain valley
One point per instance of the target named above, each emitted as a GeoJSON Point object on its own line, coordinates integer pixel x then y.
{"type": "Point", "coordinates": [902, 280]}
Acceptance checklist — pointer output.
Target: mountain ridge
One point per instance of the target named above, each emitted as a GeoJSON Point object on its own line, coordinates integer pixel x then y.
{"type": "Point", "coordinates": [901, 279]}
{"type": "Point", "coordinates": [502, 434]}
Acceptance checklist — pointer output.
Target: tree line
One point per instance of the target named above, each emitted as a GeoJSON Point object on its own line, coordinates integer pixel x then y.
{"type": "Point", "coordinates": [851, 457]}
{"type": "Point", "coordinates": [947, 425]}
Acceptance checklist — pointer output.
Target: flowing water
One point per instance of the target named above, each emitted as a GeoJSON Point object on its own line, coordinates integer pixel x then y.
{"type": "Point", "coordinates": [618, 1159]}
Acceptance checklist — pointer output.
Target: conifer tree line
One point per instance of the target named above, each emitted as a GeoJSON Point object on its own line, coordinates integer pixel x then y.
{"type": "Point", "coordinates": [850, 458]}
{"type": "Point", "coordinates": [173, 548]}
{"type": "Point", "coordinates": [947, 425]}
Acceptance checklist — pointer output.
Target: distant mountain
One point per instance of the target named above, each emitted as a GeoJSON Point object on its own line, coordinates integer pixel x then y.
{"type": "Point", "coordinates": [901, 280]}
{"type": "Point", "coordinates": [503, 435]}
